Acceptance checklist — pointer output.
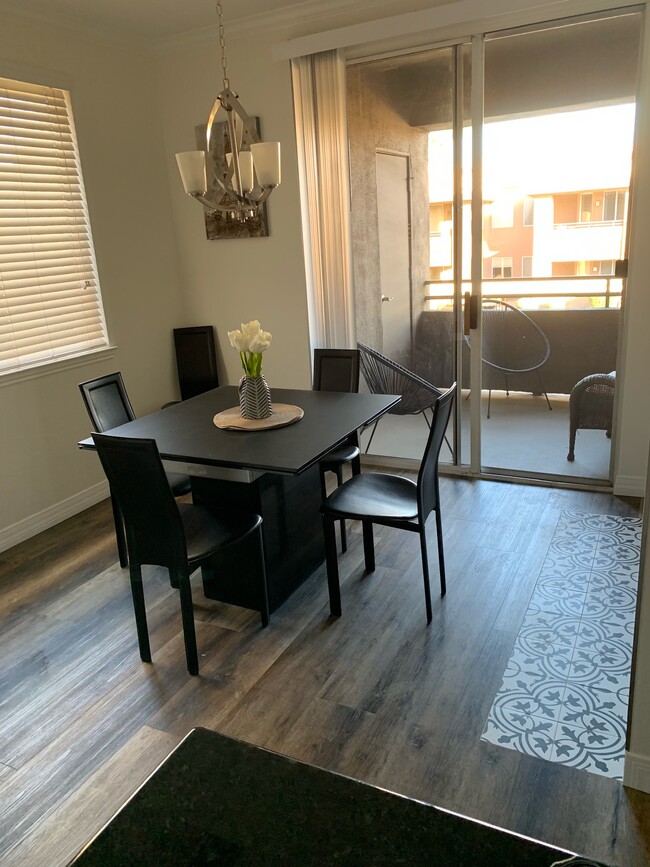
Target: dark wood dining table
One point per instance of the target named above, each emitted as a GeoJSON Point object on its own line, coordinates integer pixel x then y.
{"type": "Point", "coordinates": [271, 472]}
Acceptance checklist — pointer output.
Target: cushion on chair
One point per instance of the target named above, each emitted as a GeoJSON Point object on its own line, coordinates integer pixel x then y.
{"type": "Point", "coordinates": [179, 484]}
{"type": "Point", "coordinates": [379, 495]}
{"type": "Point", "coordinates": [205, 532]}
{"type": "Point", "coordinates": [339, 456]}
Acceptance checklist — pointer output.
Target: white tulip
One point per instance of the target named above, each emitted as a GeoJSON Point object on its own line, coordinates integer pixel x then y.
{"type": "Point", "coordinates": [260, 342]}
{"type": "Point", "coordinates": [250, 329]}
{"type": "Point", "coordinates": [238, 340]}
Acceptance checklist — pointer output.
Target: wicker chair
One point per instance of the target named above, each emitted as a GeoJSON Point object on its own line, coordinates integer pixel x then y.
{"type": "Point", "coordinates": [512, 344]}
{"type": "Point", "coordinates": [385, 376]}
{"type": "Point", "coordinates": [591, 406]}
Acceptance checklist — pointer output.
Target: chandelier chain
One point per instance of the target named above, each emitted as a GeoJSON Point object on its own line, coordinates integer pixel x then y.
{"type": "Point", "coordinates": [222, 44]}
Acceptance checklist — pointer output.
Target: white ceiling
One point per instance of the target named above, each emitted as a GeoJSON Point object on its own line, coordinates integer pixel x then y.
{"type": "Point", "coordinates": [150, 19]}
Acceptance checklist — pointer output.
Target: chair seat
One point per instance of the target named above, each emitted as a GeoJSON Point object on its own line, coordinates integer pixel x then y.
{"type": "Point", "coordinates": [340, 456]}
{"type": "Point", "coordinates": [179, 484]}
{"type": "Point", "coordinates": [374, 496]}
{"type": "Point", "coordinates": [206, 533]}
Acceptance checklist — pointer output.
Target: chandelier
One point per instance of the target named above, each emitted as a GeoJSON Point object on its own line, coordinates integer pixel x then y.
{"type": "Point", "coordinates": [251, 168]}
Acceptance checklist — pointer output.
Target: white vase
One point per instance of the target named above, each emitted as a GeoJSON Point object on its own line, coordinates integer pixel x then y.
{"type": "Point", "coordinates": [254, 397]}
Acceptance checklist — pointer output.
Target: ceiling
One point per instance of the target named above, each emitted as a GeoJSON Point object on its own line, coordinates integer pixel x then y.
{"type": "Point", "coordinates": [149, 19]}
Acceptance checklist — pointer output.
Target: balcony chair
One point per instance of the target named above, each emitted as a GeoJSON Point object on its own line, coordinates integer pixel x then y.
{"type": "Point", "coordinates": [161, 532]}
{"type": "Point", "coordinates": [338, 370]}
{"type": "Point", "coordinates": [108, 406]}
{"type": "Point", "coordinates": [385, 376]}
{"type": "Point", "coordinates": [591, 406]}
{"type": "Point", "coordinates": [393, 501]}
{"type": "Point", "coordinates": [512, 344]}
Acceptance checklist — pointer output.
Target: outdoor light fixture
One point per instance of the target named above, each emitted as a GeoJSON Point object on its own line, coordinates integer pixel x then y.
{"type": "Point", "coordinates": [251, 170]}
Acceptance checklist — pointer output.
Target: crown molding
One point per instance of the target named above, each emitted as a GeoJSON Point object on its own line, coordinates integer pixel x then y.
{"type": "Point", "coordinates": [293, 15]}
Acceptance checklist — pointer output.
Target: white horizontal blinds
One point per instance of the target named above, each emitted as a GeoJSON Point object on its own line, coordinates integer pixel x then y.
{"type": "Point", "coordinates": [50, 303]}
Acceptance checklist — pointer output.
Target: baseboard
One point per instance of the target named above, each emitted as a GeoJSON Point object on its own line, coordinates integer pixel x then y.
{"type": "Point", "coordinates": [637, 772]}
{"type": "Point", "coordinates": [629, 486]}
{"type": "Point", "coordinates": [28, 527]}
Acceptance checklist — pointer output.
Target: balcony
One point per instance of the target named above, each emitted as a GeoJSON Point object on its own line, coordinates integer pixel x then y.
{"type": "Point", "coordinates": [580, 318]}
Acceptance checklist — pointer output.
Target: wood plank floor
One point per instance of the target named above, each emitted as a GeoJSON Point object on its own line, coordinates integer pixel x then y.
{"type": "Point", "coordinates": [376, 694]}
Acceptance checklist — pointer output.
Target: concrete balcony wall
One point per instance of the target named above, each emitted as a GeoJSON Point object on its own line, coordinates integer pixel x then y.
{"type": "Point", "coordinates": [585, 242]}
{"type": "Point", "coordinates": [582, 342]}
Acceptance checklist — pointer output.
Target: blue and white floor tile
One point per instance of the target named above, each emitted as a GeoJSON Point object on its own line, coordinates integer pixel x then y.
{"type": "Point", "coordinates": [565, 692]}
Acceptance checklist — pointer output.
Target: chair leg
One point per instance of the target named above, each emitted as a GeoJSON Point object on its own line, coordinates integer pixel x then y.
{"type": "Point", "coordinates": [572, 444]}
{"type": "Point", "coordinates": [541, 385]}
{"type": "Point", "coordinates": [137, 592]}
{"type": "Point", "coordinates": [441, 553]}
{"type": "Point", "coordinates": [489, 401]}
{"type": "Point", "coordinates": [344, 538]}
{"type": "Point", "coordinates": [425, 572]}
{"type": "Point", "coordinates": [368, 546]}
{"type": "Point", "coordinates": [374, 428]}
{"type": "Point", "coordinates": [187, 616]}
{"type": "Point", "coordinates": [119, 533]}
{"type": "Point", "coordinates": [264, 592]}
{"type": "Point", "coordinates": [331, 561]}
{"type": "Point", "coordinates": [505, 376]}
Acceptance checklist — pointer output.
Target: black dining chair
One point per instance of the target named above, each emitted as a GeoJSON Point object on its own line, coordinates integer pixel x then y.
{"type": "Point", "coordinates": [338, 370]}
{"type": "Point", "coordinates": [392, 501]}
{"type": "Point", "coordinates": [108, 406]}
{"type": "Point", "coordinates": [162, 532]}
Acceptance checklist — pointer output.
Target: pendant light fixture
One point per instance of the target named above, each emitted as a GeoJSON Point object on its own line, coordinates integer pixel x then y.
{"type": "Point", "coordinates": [251, 170]}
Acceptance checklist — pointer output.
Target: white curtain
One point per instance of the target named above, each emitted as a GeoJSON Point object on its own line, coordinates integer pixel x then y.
{"type": "Point", "coordinates": [321, 131]}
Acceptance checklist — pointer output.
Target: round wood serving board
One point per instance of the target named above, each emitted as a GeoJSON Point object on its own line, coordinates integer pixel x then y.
{"type": "Point", "coordinates": [283, 414]}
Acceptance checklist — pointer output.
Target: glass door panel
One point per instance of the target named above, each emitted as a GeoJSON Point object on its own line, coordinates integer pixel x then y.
{"type": "Point", "coordinates": [405, 186]}
{"type": "Point", "coordinates": [557, 147]}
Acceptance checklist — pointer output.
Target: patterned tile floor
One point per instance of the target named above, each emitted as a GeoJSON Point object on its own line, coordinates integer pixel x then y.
{"type": "Point", "coordinates": [565, 692]}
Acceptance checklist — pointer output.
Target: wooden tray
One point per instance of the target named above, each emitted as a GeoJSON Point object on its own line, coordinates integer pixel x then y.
{"type": "Point", "coordinates": [283, 414]}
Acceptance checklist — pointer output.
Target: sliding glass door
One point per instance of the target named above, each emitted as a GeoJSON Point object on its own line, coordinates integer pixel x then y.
{"type": "Point", "coordinates": [497, 259]}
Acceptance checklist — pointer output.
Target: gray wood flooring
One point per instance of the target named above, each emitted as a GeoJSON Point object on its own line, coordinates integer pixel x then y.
{"type": "Point", "coordinates": [376, 695]}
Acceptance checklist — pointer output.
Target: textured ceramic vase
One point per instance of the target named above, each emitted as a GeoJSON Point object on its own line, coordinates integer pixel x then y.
{"type": "Point", "coordinates": [254, 397]}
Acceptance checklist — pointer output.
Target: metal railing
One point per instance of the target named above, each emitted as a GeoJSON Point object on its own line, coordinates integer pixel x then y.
{"type": "Point", "coordinates": [509, 287]}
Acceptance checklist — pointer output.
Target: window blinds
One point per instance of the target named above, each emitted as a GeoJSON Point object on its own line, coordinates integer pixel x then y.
{"type": "Point", "coordinates": [50, 303]}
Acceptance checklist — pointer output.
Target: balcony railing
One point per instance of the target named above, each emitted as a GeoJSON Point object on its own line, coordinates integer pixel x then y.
{"type": "Point", "coordinates": [550, 293]}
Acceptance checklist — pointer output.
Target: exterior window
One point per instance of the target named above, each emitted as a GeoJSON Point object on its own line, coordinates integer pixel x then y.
{"type": "Point", "coordinates": [614, 206]}
{"type": "Point", "coordinates": [526, 266]}
{"type": "Point", "coordinates": [604, 268]}
{"type": "Point", "coordinates": [50, 302]}
{"type": "Point", "coordinates": [503, 214]}
{"type": "Point", "coordinates": [586, 207]}
{"type": "Point", "coordinates": [529, 211]}
{"type": "Point", "coordinates": [502, 267]}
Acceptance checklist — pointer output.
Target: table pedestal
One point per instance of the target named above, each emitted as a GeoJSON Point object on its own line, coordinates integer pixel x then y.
{"type": "Point", "coordinates": [292, 530]}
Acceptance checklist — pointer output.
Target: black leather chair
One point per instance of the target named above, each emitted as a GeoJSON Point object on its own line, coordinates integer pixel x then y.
{"type": "Point", "coordinates": [108, 406]}
{"type": "Point", "coordinates": [161, 532]}
{"type": "Point", "coordinates": [393, 501]}
{"type": "Point", "coordinates": [338, 370]}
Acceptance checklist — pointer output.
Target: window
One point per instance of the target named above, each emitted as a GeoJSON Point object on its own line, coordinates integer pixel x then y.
{"type": "Point", "coordinates": [529, 211]}
{"type": "Point", "coordinates": [502, 266]}
{"type": "Point", "coordinates": [604, 268]}
{"type": "Point", "coordinates": [586, 205]}
{"type": "Point", "coordinates": [50, 303]}
{"type": "Point", "coordinates": [526, 266]}
{"type": "Point", "coordinates": [614, 206]}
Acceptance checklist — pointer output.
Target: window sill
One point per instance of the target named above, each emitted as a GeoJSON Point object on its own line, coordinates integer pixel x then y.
{"type": "Point", "coordinates": [49, 367]}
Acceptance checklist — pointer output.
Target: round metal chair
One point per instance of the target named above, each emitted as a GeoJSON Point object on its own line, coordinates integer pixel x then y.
{"type": "Point", "coordinates": [512, 344]}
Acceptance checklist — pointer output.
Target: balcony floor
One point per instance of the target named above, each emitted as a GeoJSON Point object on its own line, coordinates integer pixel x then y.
{"type": "Point", "coordinates": [521, 435]}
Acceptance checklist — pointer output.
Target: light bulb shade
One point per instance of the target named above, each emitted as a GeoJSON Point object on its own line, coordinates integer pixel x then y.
{"type": "Point", "coordinates": [191, 165]}
{"type": "Point", "coordinates": [266, 156]}
{"type": "Point", "coordinates": [246, 170]}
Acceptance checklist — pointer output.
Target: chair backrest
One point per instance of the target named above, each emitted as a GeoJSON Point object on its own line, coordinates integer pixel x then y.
{"type": "Point", "coordinates": [428, 494]}
{"type": "Point", "coordinates": [385, 376]}
{"type": "Point", "coordinates": [196, 360]}
{"type": "Point", "coordinates": [107, 402]}
{"type": "Point", "coordinates": [512, 342]}
{"type": "Point", "coordinates": [153, 525]}
{"type": "Point", "coordinates": [336, 370]}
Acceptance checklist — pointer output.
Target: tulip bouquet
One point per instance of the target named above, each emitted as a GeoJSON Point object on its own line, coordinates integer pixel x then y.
{"type": "Point", "coordinates": [251, 342]}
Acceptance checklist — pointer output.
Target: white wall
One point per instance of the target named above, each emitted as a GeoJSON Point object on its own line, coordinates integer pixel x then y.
{"type": "Point", "coordinates": [233, 281]}
{"type": "Point", "coordinates": [44, 475]}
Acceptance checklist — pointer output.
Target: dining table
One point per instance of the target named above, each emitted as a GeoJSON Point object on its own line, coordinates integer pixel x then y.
{"type": "Point", "coordinates": [273, 472]}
